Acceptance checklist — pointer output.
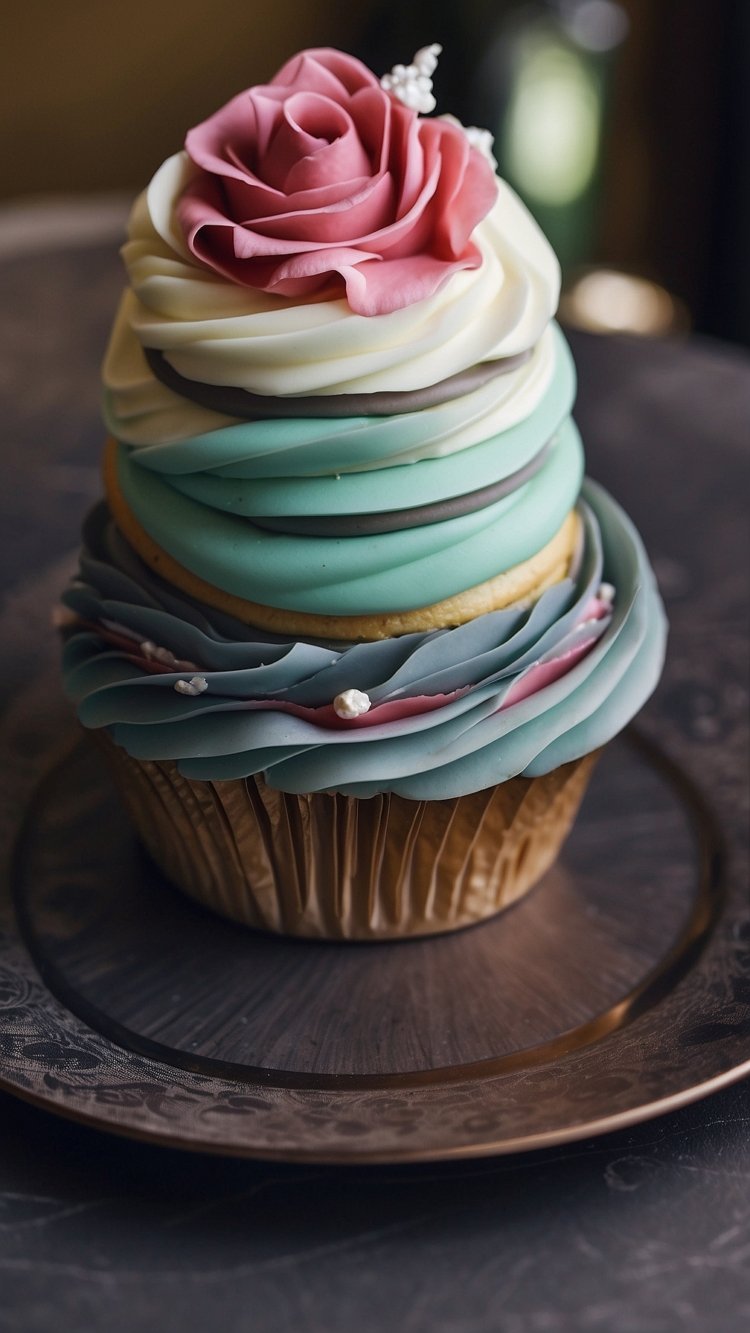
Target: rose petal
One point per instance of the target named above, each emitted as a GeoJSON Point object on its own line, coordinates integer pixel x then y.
{"type": "Point", "coordinates": [324, 69]}
{"type": "Point", "coordinates": [380, 288]}
{"type": "Point", "coordinates": [466, 187]}
{"type": "Point", "coordinates": [372, 113]}
{"type": "Point", "coordinates": [320, 177]}
{"type": "Point", "coordinates": [251, 115]}
{"type": "Point", "coordinates": [314, 143]}
{"type": "Point", "coordinates": [239, 124]}
{"type": "Point", "coordinates": [200, 212]}
{"type": "Point", "coordinates": [315, 263]}
{"type": "Point", "coordinates": [406, 158]}
{"type": "Point", "coordinates": [246, 202]}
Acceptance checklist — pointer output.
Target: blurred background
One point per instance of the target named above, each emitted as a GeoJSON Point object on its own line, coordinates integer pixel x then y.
{"type": "Point", "coordinates": [625, 124]}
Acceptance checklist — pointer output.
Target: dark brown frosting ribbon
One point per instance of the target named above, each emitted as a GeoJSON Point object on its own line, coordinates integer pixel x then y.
{"type": "Point", "coordinates": [233, 402]}
{"type": "Point", "coordinates": [396, 520]}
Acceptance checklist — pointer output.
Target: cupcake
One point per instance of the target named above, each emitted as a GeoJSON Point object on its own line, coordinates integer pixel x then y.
{"type": "Point", "coordinates": [349, 624]}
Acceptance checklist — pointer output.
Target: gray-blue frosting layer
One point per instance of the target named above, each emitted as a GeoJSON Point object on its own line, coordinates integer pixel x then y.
{"type": "Point", "coordinates": [474, 738]}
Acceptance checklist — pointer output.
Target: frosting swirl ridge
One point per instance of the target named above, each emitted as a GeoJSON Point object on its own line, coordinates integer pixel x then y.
{"type": "Point", "coordinates": [217, 332]}
{"type": "Point", "coordinates": [516, 691]}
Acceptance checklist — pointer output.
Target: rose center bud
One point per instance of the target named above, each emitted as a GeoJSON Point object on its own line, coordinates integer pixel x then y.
{"type": "Point", "coordinates": [315, 144]}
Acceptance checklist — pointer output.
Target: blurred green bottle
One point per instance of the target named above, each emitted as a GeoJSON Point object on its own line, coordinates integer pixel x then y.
{"type": "Point", "coordinates": [537, 73]}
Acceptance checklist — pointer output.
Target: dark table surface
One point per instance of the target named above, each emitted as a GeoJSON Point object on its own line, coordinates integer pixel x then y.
{"type": "Point", "coordinates": [646, 1229]}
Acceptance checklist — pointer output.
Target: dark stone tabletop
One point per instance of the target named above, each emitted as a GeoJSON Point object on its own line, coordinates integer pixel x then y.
{"type": "Point", "coordinates": [646, 1230]}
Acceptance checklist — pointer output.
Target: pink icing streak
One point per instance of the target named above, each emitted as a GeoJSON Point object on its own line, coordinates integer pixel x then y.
{"type": "Point", "coordinates": [320, 179]}
{"type": "Point", "coordinates": [391, 710]}
{"type": "Point", "coordinates": [544, 673]}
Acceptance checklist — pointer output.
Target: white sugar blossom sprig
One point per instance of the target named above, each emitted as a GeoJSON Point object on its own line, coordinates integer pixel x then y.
{"type": "Point", "coordinates": [412, 84]}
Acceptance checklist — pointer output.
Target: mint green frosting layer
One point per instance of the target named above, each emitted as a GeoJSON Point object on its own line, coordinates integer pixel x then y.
{"type": "Point", "coordinates": [242, 723]}
{"type": "Point", "coordinates": [389, 572]}
{"type": "Point", "coordinates": [300, 448]}
{"type": "Point", "coordinates": [393, 488]}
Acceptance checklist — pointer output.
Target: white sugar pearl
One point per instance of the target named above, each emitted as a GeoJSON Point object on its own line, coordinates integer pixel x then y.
{"type": "Point", "coordinates": [196, 685]}
{"type": "Point", "coordinates": [351, 703]}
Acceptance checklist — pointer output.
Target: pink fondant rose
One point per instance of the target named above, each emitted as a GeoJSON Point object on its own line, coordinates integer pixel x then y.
{"type": "Point", "coordinates": [321, 179]}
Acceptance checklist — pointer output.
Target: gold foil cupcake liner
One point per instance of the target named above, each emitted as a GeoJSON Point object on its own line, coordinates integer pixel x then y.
{"type": "Point", "coordinates": [329, 866]}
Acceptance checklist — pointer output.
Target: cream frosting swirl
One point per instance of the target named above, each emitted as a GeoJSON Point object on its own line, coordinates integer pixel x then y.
{"type": "Point", "coordinates": [141, 411]}
{"type": "Point", "coordinates": [218, 333]}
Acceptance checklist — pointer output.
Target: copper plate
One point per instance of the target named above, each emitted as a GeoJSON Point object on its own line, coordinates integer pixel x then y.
{"type": "Point", "coordinates": [617, 990]}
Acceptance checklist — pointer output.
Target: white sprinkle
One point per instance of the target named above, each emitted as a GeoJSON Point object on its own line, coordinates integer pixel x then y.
{"type": "Point", "coordinates": [351, 703]}
{"type": "Point", "coordinates": [606, 593]}
{"type": "Point", "coordinates": [196, 685]}
{"type": "Point", "coordinates": [152, 652]}
{"type": "Point", "coordinates": [62, 617]}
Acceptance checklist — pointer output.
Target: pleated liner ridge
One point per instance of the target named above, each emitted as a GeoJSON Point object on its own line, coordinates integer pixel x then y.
{"type": "Point", "coordinates": [334, 867]}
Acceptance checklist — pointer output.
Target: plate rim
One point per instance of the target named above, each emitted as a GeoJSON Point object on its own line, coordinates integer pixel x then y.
{"type": "Point", "coordinates": [387, 1157]}
{"type": "Point", "coordinates": [112, 1119]}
